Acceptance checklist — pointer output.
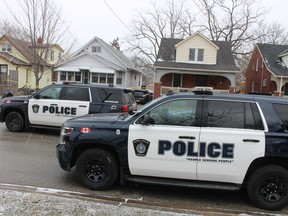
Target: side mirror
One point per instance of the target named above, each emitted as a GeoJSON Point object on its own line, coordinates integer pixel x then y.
{"type": "Point", "coordinates": [147, 120]}
{"type": "Point", "coordinates": [132, 111]}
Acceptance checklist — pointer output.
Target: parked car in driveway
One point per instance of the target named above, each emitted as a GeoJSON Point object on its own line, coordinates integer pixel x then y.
{"type": "Point", "coordinates": [56, 103]}
{"type": "Point", "coordinates": [142, 96]}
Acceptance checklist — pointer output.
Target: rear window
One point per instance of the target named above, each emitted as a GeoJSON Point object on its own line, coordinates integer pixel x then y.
{"type": "Point", "coordinates": [110, 95]}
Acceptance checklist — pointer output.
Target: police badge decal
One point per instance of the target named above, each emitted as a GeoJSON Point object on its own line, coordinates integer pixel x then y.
{"type": "Point", "coordinates": [141, 147]}
{"type": "Point", "coordinates": [35, 108]}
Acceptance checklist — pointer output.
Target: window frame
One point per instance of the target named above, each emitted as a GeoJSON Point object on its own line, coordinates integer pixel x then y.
{"type": "Point", "coordinates": [196, 55]}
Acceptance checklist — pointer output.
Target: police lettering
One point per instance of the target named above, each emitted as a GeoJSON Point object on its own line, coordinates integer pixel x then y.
{"type": "Point", "coordinates": [60, 110]}
{"type": "Point", "coordinates": [212, 150]}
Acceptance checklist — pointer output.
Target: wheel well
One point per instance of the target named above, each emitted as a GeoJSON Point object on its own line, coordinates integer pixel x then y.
{"type": "Point", "coordinates": [85, 146]}
{"type": "Point", "coordinates": [260, 162]}
{"type": "Point", "coordinates": [7, 111]}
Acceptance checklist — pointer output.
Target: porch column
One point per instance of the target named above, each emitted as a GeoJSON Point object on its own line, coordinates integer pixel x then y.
{"type": "Point", "coordinates": [157, 90]}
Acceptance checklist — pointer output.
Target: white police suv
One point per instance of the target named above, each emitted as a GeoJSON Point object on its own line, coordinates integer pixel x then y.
{"type": "Point", "coordinates": [207, 141]}
{"type": "Point", "coordinates": [57, 103]}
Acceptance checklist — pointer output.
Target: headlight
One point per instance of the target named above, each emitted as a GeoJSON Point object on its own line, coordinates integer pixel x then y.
{"type": "Point", "coordinates": [64, 132]}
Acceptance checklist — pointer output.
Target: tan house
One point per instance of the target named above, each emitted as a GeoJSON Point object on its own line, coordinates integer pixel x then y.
{"type": "Point", "coordinates": [16, 57]}
{"type": "Point", "coordinates": [183, 64]}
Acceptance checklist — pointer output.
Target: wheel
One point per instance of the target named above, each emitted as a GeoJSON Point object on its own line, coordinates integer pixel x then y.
{"type": "Point", "coordinates": [268, 187]}
{"type": "Point", "coordinates": [97, 169]}
{"type": "Point", "coordinates": [14, 122]}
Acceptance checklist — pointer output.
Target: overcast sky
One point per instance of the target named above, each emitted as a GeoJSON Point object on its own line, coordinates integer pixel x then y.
{"type": "Point", "coordinates": [109, 19]}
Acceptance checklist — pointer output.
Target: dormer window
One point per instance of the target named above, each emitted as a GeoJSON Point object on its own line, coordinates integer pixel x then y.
{"type": "Point", "coordinates": [96, 49]}
{"type": "Point", "coordinates": [196, 55]}
{"type": "Point", "coordinates": [6, 47]}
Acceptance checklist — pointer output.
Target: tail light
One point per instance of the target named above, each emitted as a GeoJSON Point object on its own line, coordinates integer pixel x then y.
{"type": "Point", "coordinates": [125, 108]}
{"type": "Point", "coordinates": [85, 130]}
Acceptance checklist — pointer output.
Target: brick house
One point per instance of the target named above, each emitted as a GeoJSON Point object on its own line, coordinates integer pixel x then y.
{"type": "Point", "coordinates": [183, 64]}
{"type": "Point", "coordinates": [267, 71]}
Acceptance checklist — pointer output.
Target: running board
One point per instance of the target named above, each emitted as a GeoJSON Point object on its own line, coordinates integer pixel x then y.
{"type": "Point", "coordinates": [183, 183]}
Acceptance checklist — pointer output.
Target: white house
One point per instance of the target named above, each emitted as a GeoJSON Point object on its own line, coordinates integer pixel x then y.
{"type": "Point", "coordinates": [98, 62]}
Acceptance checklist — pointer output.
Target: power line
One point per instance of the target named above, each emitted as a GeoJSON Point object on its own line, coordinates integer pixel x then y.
{"type": "Point", "coordinates": [116, 15]}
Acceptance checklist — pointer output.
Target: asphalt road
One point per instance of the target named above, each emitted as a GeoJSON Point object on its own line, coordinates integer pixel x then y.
{"type": "Point", "coordinates": [29, 159]}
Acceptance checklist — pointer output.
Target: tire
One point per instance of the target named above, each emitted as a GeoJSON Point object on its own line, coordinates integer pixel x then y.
{"type": "Point", "coordinates": [14, 122]}
{"type": "Point", "coordinates": [268, 187]}
{"type": "Point", "coordinates": [97, 169]}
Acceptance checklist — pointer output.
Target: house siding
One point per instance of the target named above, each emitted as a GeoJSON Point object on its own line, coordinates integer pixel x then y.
{"type": "Point", "coordinates": [198, 42]}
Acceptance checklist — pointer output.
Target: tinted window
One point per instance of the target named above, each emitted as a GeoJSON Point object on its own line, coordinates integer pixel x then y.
{"type": "Point", "coordinates": [77, 94]}
{"type": "Point", "coordinates": [282, 112]}
{"type": "Point", "coordinates": [231, 114]}
{"type": "Point", "coordinates": [110, 95]}
{"type": "Point", "coordinates": [225, 114]}
{"type": "Point", "coordinates": [52, 92]}
{"type": "Point", "coordinates": [177, 112]}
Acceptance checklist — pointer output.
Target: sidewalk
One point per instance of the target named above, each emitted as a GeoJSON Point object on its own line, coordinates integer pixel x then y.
{"type": "Point", "coordinates": [42, 201]}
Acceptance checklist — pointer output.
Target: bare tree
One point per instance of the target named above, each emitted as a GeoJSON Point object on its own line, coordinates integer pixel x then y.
{"type": "Point", "coordinates": [41, 24]}
{"type": "Point", "coordinates": [171, 21]}
{"type": "Point", "coordinates": [274, 33]}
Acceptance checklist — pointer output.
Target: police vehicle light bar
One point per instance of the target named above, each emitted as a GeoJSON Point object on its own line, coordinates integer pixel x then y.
{"type": "Point", "coordinates": [203, 90]}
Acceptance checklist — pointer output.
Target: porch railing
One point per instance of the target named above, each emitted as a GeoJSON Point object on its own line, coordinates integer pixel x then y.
{"type": "Point", "coordinates": [166, 89]}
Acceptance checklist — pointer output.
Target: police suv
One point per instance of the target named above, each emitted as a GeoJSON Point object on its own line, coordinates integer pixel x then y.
{"type": "Point", "coordinates": [207, 141]}
{"type": "Point", "coordinates": [57, 103]}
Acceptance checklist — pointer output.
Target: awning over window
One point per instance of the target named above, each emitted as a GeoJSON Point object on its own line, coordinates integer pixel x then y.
{"type": "Point", "coordinates": [70, 69]}
{"type": "Point", "coordinates": [101, 70]}
{"type": "Point", "coordinates": [91, 69]}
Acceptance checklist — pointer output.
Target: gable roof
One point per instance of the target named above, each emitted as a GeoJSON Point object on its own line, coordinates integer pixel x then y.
{"type": "Point", "coordinates": [96, 57]}
{"type": "Point", "coordinates": [25, 49]}
{"type": "Point", "coordinates": [12, 59]}
{"type": "Point", "coordinates": [127, 63]}
{"type": "Point", "coordinates": [193, 35]}
{"type": "Point", "coordinates": [271, 54]}
{"type": "Point", "coordinates": [166, 56]}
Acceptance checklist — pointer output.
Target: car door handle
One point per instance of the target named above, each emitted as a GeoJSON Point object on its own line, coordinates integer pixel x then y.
{"type": "Point", "coordinates": [53, 104]}
{"type": "Point", "coordinates": [187, 137]}
{"type": "Point", "coordinates": [82, 106]}
{"type": "Point", "coordinates": [251, 140]}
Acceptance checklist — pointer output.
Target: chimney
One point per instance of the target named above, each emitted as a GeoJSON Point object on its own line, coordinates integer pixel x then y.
{"type": "Point", "coordinates": [39, 40]}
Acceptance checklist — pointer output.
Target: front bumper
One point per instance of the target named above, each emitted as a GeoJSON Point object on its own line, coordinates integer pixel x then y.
{"type": "Point", "coordinates": [63, 157]}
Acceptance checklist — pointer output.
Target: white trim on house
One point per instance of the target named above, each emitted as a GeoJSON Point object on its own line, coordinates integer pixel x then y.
{"type": "Point", "coordinates": [70, 69]}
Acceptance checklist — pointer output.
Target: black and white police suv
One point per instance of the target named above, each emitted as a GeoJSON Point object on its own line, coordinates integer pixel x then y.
{"type": "Point", "coordinates": [206, 141]}
{"type": "Point", "coordinates": [56, 103]}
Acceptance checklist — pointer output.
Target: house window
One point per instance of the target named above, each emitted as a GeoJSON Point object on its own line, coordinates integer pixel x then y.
{"type": "Point", "coordinates": [3, 69]}
{"type": "Point", "coordinates": [119, 79]}
{"type": "Point", "coordinates": [110, 78]}
{"type": "Point", "coordinates": [54, 75]}
{"type": "Point", "coordinates": [196, 55]}
{"type": "Point", "coordinates": [96, 49]}
{"type": "Point", "coordinates": [95, 77]}
{"type": "Point", "coordinates": [257, 65]}
{"type": "Point", "coordinates": [63, 76]}
{"type": "Point", "coordinates": [6, 47]}
{"type": "Point", "coordinates": [177, 78]}
{"type": "Point", "coordinates": [71, 76]}
{"type": "Point", "coordinates": [52, 55]}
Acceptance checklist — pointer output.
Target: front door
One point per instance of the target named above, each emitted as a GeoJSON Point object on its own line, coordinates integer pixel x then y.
{"type": "Point", "coordinates": [86, 76]}
{"type": "Point", "coordinates": [166, 147]}
{"type": "Point", "coordinates": [43, 107]}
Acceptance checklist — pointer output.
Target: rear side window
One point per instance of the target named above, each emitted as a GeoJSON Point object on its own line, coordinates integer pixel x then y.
{"type": "Point", "coordinates": [76, 94]}
{"type": "Point", "coordinates": [110, 95]}
{"type": "Point", "coordinates": [232, 114]}
{"type": "Point", "coordinates": [282, 112]}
